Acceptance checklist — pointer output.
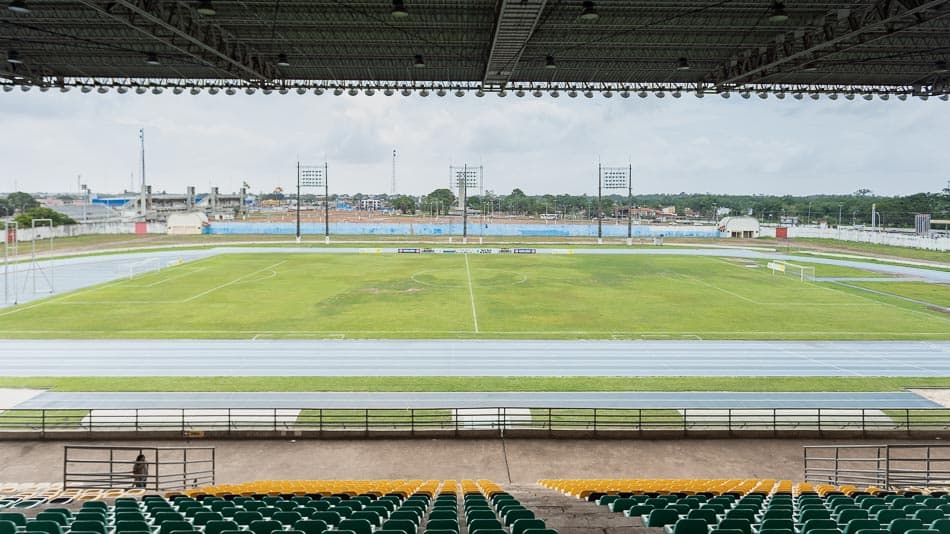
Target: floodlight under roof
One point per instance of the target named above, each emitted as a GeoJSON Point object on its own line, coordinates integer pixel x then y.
{"type": "Point", "coordinates": [519, 93]}
{"type": "Point", "coordinates": [13, 57]}
{"type": "Point", "coordinates": [588, 12]}
{"type": "Point", "coordinates": [441, 91]}
{"type": "Point", "coordinates": [418, 62]}
{"type": "Point", "coordinates": [537, 93]}
{"type": "Point", "coordinates": [676, 93]}
{"type": "Point", "coordinates": [195, 91]}
{"type": "Point", "coordinates": [624, 94]}
{"type": "Point", "coordinates": [608, 94]}
{"type": "Point", "coordinates": [849, 96]}
{"type": "Point", "coordinates": [337, 91]}
{"type": "Point", "coordinates": [319, 91]}
{"type": "Point", "coordinates": [8, 88]}
{"type": "Point", "coordinates": [389, 91]}
{"type": "Point", "coordinates": [151, 58]}
{"type": "Point", "coordinates": [398, 10]}
{"type": "Point", "coordinates": [87, 89]}
{"type": "Point", "coordinates": [406, 91]}
{"type": "Point", "coordinates": [353, 91]}
{"type": "Point", "coordinates": [459, 93]}
{"type": "Point", "coordinates": [682, 64]}
{"type": "Point", "coordinates": [424, 92]}
{"type": "Point", "coordinates": [122, 89]}
{"type": "Point", "coordinates": [502, 93]}
{"type": "Point", "coordinates": [301, 90]}
{"type": "Point", "coordinates": [213, 90]}
{"type": "Point", "coordinates": [659, 94]}
{"type": "Point", "coordinates": [282, 60]}
{"type": "Point", "coordinates": [369, 91]}
{"type": "Point", "coordinates": [249, 90]}
{"type": "Point", "coordinates": [157, 90]}
{"type": "Point", "coordinates": [140, 90]}
{"type": "Point", "coordinates": [549, 63]}
{"type": "Point", "coordinates": [206, 8]}
{"type": "Point", "coordinates": [902, 97]}
{"type": "Point", "coordinates": [230, 91]}
{"type": "Point", "coordinates": [176, 90]}
{"type": "Point", "coordinates": [725, 94]}
{"type": "Point", "coordinates": [589, 94]}
{"type": "Point", "coordinates": [554, 93]}
{"type": "Point", "coordinates": [572, 93]}
{"type": "Point", "coordinates": [19, 6]}
{"type": "Point", "coordinates": [480, 93]}
{"type": "Point", "coordinates": [777, 12]}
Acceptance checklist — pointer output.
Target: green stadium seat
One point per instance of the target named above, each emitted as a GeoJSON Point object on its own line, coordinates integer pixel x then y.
{"type": "Point", "coordinates": [928, 515]}
{"type": "Point", "coordinates": [900, 526]}
{"type": "Point", "coordinates": [520, 513]}
{"type": "Point", "coordinates": [480, 514]}
{"type": "Point", "coordinates": [369, 515]}
{"type": "Point", "coordinates": [97, 515]}
{"type": "Point", "coordinates": [923, 531]}
{"type": "Point", "coordinates": [775, 530]}
{"type": "Point", "coordinates": [7, 527]}
{"type": "Point", "coordinates": [88, 526]}
{"type": "Point", "coordinates": [405, 525]}
{"type": "Point", "coordinates": [734, 523]}
{"type": "Point", "coordinates": [521, 525]}
{"type": "Point", "coordinates": [244, 518]}
{"type": "Point", "coordinates": [286, 517]}
{"type": "Point", "coordinates": [856, 525]}
{"type": "Point", "coordinates": [638, 510]}
{"type": "Point", "coordinates": [619, 505]}
{"type": "Point", "coordinates": [410, 515]}
{"type": "Point", "coordinates": [814, 513]}
{"type": "Point", "coordinates": [264, 526]}
{"type": "Point", "coordinates": [443, 524]}
{"type": "Point", "coordinates": [172, 525]}
{"type": "Point", "coordinates": [443, 514]}
{"type": "Point", "coordinates": [708, 515]}
{"type": "Point", "coordinates": [488, 531]}
{"type": "Point", "coordinates": [128, 525]}
{"type": "Point", "coordinates": [359, 526]}
{"type": "Point", "coordinates": [484, 524]}
{"type": "Point", "coordinates": [95, 504]}
{"type": "Point", "coordinates": [687, 526]}
{"type": "Point", "coordinates": [724, 531]}
{"type": "Point", "coordinates": [310, 526]}
{"type": "Point", "coordinates": [816, 524]}
{"type": "Point", "coordinates": [775, 524]}
{"type": "Point", "coordinates": [660, 518]}
{"type": "Point", "coordinates": [540, 531]}
{"type": "Point", "coordinates": [329, 517]}
{"type": "Point", "coordinates": [941, 525]}
{"type": "Point", "coordinates": [219, 526]}
{"type": "Point", "coordinates": [160, 517]}
{"type": "Point", "coordinates": [44, 525]}
{"type": "Point", "coordinates": [58, 517]}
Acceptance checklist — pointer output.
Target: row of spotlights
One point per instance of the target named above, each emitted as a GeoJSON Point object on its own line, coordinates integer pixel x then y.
{"type": "Point", "coordinates": [537, 93]}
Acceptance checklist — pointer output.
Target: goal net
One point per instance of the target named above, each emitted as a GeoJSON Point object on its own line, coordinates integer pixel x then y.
{"type": "Point", "coordinates": [804, 273]}
{"type": "Point", "coordinates": [145, 266]}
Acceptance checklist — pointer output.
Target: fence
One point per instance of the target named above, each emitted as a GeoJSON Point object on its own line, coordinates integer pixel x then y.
{"type": "Point", "coordinates": [152, 468]}
{"type": "Point", "coordinates": [884, 466]}
{"type": "Point", "coordinates": [73, 230]}
{"type": "Point", "coordinates": [475, 229]}
{"type": "Point", "coordinates": [235, 422]}
{"type": "Point", "coordinates": [856, 235]}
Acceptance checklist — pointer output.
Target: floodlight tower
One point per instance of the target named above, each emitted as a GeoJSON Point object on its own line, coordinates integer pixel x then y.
{"type": "Point", "coordinates": [142, 193]}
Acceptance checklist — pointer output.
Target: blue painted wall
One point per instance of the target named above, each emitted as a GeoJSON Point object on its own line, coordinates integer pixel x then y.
{"type": "Point", "coordinates": [455, 229]}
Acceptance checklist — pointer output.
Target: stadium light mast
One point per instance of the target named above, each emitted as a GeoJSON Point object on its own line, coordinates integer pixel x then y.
{"type": "Point", "coordinates": [600, 209]}
{"type": "Point", "coordinates": [142, 193]}
{"type": "Point", "coordinates": [298, 201]}
{"type": "Point", "coordinates": [630, 204]}
{"type": "Point", "coordinates": [465, 203]}
{"type": "Point", "coordinates": [326, 201]}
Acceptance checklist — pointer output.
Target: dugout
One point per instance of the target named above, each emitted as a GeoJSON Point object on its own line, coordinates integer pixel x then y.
{"type": "Point", "coordinates": [740, 227]}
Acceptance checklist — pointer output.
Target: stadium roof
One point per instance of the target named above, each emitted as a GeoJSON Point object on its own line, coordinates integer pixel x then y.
{"type": "Point", "coordinates": [536, 46]}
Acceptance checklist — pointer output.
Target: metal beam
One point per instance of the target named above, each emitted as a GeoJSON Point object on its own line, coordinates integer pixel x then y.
{"type": "Point", "coordinates": [204, 42]}
{"type": "Point", "coordinates": [514, 25]}
{"type": "Point", "coordinates": [843, 30]}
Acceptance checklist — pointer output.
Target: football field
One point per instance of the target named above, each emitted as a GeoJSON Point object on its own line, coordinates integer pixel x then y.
{"type": "Point", "coordinates": [490, 296]}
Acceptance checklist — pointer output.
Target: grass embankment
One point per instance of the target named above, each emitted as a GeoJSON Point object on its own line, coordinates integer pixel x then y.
{"type": "Point", "coordinates": [48, 419]}
{"type": "Point", "coordinates": [411, 296]}
{"type": "Point", "coordinates": [868, 249]}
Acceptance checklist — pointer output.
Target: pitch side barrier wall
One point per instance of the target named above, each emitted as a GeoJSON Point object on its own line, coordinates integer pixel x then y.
{"type": "Point", "coordinates": [281, 423]}
{"type": "Point", "coordinates": [857, 235]}
{"type": "Point", "coordinates": [455, 229]}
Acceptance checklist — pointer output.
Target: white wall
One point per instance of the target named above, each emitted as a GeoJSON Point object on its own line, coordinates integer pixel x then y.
{"type": "Point", "coordinates": [865, 236]}
{"type": "Point", "coordinates": [73, 230]}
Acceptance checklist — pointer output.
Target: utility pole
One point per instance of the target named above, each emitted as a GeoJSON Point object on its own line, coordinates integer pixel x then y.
{"type": "Point", "coordinates": [326, 201]}
{"type": "Point", "coordinates": [298, 201]}
{"type": "Point", "coordinates": [600, 209]}
{"type": "Point", "coordinates": [392, 189]}
{"type": "Point", "coordinates": [465, 203]}
{"type": "Point", "coordinates": [630, 204]}
{"type": "Point", "coordinates": [142, 193]}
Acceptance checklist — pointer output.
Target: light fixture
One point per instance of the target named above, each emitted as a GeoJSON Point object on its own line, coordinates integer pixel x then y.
{"type": "Point", "coordinates": [441, 91]}
{"type": "Point", "coordinates": [923, 97]}
{"type": "Point", "coordinates": [642, 94]}
{"type": "Point", "coordinates": [725, 94]}
{"type": "Point", "coordinates": [193, 91]}
{"type": "Point", "coordinates": [537, 93]}
{"type": "Point", "coordinates": [833, 96]}
{"type": "Point", "coordinates": [459, 93]}
{"type": "Point", "coordinates": [810, 67]}
{"type": "Point", "coordinates": [479, 93]}
{"type": "Point", "coordinates": [151, 58]}
{"type": "Point", "coordinates": [700, 93]}
{"type": "Point", "coordinates": [369, 91]}
{"type": "Point", "coordinates": [502, 93]}
{"type": "Point", "coordinates": [337, 91]}
{"type": "Point", "coordinates": [588, 12]}
{"type": "Point", "coordinates": [398, 10]}
{"type": "Point", "coordinates": [589, 94]}
{"type": "Point", "coordinates": [63, 89]}
{"type": "Point", "coordinates": [418, 62]}
{"type": "Point", "coordinates": [944, 97]}
{"type": "Point", "coordinates": [554, 93]}
{"type": "Point", "coordinates": [763, 94]}
{"type": "Point", "coordinates": [44, 88]}
{"type": "Point", "coordinates": [206, 8]}
{"type": "Point", "coordinates": [319, 91]}
{"type": "Point", "coordinates": [777, 12]}
{"type": "Point", "coordinates": [745, 94]}
{"type": "Point", "coordinates": [884, 96]}
{"type": "Point", "coordinates": [138, 90]}
{"type": "Point", "coordinates": [549, 63]}
{"type": "Point", "coordinates": [572, 93]}
{"type": "Point", "coordinates": [814, 96]}
{"type": "Point", "coordinates": [157, 90]}
{"type": "Point", "coordinates": [940, 67]}
{"type": "Point", "coordinates": [230, 91]}
{"type": "Point", "coordinates": [676, 93]}
{"type": "Point", "coordinates": [26, 88]}
{"type": "Point", "coordinates": [213, 90]}
{"type": "Point", "coordinates": [682, 64]}
{"type": "Point", "coordinates": [868, 96]}
{"type": "Point", "coordinates": [424, 92]}
{"type": "Point", "coordinates": [18, 6]}
{"type": "Point", "coordinates": [902, 97]}
{"type": "Point", "coordinates": [123, 89]}
{"type": "Point", "coordinates": [389, 91]}
{"type": "Point", "coordinates": [659, 94]}
{"type": "Point", "coordinates": [282, 60]}
{"type": "Point", "coordinates": [624, 94]}
{"type": "Point", "coordinates": [283, 90]}
{"type": "Point", "coordinates": [176, 90]}
{"type": "Point", "coordinates": [849, 96]}
{"type": "Point", "coordinates": [353, 91]}
{"type": "Point", "coordinates": [406, 91]}
{"type": "Point", "coordinates": [267, 90]}
{"type": "Point", "coordinates": [798, 95]}
{"type": "Point", "coordinates": [249, 90]}
{"type": "Point", "coordinates": [608, 93]}
{"type": "Point", "coordinates": [13, 57]}
{"type": "Point", "coordinates": [519, 93]}
{"type": "Point", "coordinates": [301, 90]}
{"type": "Point", "coordinates": [8, 88]}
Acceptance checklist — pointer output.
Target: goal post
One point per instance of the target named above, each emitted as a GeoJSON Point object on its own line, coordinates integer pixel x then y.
{"type": "Point", "coordinates": [804, 273]}
{"type": "Point", "coordinates": [145, 266]}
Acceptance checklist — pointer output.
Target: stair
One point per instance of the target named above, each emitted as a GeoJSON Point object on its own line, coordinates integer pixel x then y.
{"type": "Point", "coordinates": [573, 516]}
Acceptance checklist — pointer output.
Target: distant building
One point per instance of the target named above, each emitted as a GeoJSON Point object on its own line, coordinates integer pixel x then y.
{"type": "Point", "coordinates": [370, 204]}
{"type": "Point", "coordinates": [740, 227]}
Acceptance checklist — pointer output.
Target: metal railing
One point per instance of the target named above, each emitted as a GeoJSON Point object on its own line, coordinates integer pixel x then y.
{"type": "Point", "coordinates": [152, 468]}
{"type": "Point", "coordinates": [195, 422]}
{"type": "Point", "coordinates": [884, 466]}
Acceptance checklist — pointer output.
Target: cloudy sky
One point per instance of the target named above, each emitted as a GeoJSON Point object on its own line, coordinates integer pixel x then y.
{"type": "Point", "coordinates": [542, 145]}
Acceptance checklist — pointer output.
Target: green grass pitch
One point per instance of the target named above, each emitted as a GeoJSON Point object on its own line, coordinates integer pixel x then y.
{"type": "Point", "coordinates": [313, 296]}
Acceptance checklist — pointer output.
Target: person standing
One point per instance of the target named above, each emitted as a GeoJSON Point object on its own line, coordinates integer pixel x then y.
{"type": "Point", "coordinates": [139, 471]}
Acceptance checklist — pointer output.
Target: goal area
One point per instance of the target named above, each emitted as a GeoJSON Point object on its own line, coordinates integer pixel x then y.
{"type": "Point", "coordinates": [804, 273]}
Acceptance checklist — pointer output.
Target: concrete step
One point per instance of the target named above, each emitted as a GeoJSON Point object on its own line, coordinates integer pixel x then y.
{"type": "Point", "coordinates": [573, 516]}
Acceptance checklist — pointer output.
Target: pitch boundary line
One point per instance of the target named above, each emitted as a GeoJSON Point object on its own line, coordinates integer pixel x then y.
{"type": "Point", "coordinates": [471, 292]}
{"type": "Point", "coordinates": [499, 332]}
{"type": "Point", "coordinates": [232, 282]}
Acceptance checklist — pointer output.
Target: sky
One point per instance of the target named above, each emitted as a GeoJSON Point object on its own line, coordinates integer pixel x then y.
{"type": "Point", "coordinates": [540, 145]}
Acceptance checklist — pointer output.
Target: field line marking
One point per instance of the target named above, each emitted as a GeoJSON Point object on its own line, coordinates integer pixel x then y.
{"type": "Point", "coordinates": [471, 292]}
{"type": "Point", "coordinates": [726, 291]}
{"type": "Point", "coordinates": [834, 288]}
{"type": "Point", "coordinates": [153, 284]}
{"type": "Point", "coordinates": [236, 280]}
